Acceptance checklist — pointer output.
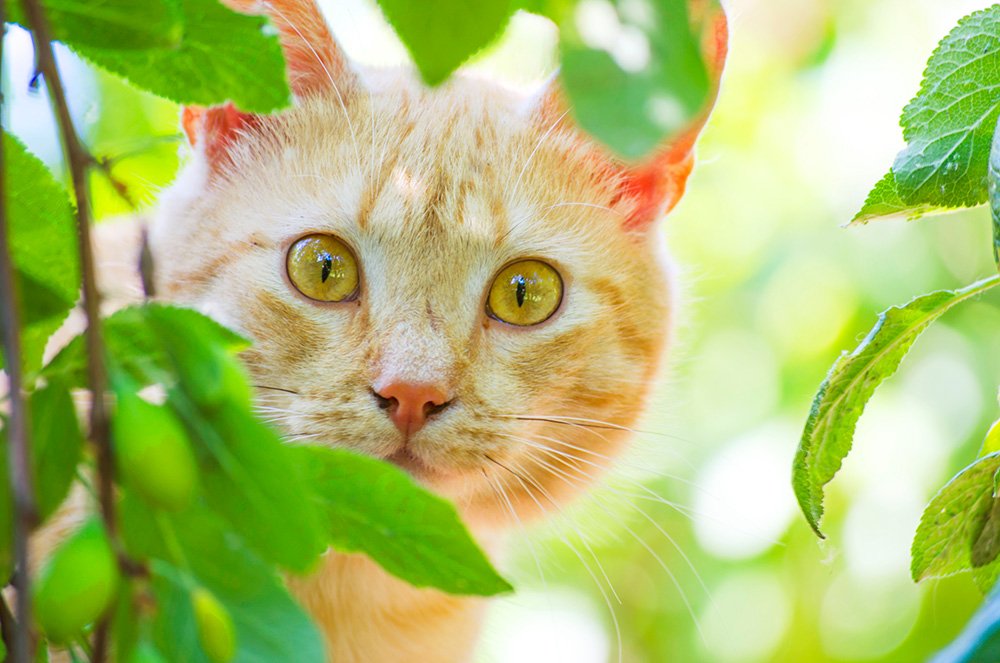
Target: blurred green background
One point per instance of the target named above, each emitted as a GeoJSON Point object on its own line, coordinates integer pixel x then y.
{"type": "Point", "coordinates": [774, 288]}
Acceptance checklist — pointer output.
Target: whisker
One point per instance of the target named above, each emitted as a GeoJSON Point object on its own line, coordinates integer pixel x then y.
{"type": "Point", "coordinates": [498, 490]}
{"type": "Point", "coordinates": [319, 60]}
{"type": "Point", "coordinates": [563, 476]}
{"type": "Point", "coordinates": [576, 553]}
{"type": "Point", "coordinates": [264, 386]}
{"type": "Point", "coordinates": [591, 423]}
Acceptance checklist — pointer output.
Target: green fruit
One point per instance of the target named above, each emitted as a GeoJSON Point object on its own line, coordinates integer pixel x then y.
{"type": "Point", "coordinates": [77, 584]}
{"type": "Point", "coordinates": [153, 453]}
{"type": "Point", "coordinates": [215, 626]}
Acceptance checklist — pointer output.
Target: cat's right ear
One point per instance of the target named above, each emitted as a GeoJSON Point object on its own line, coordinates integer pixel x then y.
{"type": "Point", "coordinates": [314, 63]}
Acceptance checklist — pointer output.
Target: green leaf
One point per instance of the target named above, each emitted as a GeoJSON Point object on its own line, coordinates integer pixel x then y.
{"type": "Point", "coordinates": [958, 530]}
{"type": "Point", "coordinates": [993, 186]}
{"type": "Point", "coordinates": [377, 509]}
{"type": "Point", "coordinates": [634, 110]}
{"type": "Point", "coordinates": [442, 34]}
{"type": "Point", "coordinates": [110, 24]}
{"type": "Point", "coordinates": [134, 347]}
{"type": "Point", "coordinates": [991, 442]}
{"type": "Point", "coordinates": [197, 547]}
{"type": "Point", "coordinates": [56, 444]}
{"type": "Point", "coordinates": [949, 125]}
{"type": "Point", "coordinates": [222, 56]}
{"type": "Point", "coordinates": [43, 248]}
{"type": "Point", "coordinates": [249, 477]}
{"type": "Point", "coordinates": [884, 201]}
{"type": "Point", "coordinates": [979, 641]}
{"type": "Point", "coordinates": [849, 385]}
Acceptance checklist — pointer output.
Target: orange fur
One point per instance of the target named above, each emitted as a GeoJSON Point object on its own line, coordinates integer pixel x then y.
{"type": "Point", "coordinates": [434, 191]}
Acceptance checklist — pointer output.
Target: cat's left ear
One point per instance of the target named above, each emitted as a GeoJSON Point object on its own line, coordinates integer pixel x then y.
{"type": "Point", "coordinates": [314, 62]}
{"type": "Point", "coordinates": [649, 189]}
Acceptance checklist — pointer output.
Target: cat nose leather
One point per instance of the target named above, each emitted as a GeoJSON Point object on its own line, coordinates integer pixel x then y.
{"type": "Point", "coordinates": [409, 404]}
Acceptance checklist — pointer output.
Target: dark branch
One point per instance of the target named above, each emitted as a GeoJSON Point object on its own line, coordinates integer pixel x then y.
{"type": "Point", "coordinates": [19, 449]}
{"type": "Point", "coordinates": [80, 160]}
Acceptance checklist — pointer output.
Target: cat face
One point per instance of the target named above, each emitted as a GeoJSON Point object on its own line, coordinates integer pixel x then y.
{"type": "Point", "coordinates": [454, 279]}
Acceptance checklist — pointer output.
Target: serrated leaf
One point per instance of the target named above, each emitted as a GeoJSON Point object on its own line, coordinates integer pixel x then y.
{"type": "Point", "coordinates": [43, 248]}
{"type": "Point", "coordinates": [375, 508]}
{"type": "Point", "coordinates": [993, 188]}
{"type": "Point", "coordinates": [634, 110]}
{"type": "Point", "coordinates": [56, 444]}
{"type": "Point", "coordinates": [442, 34]}
{"type": "Point", "coordinates": [849, 385]}
{"type": "Point", "coordinates": [884, 201]}
{"type": "Point", "coordinates": [949, 124]}
{"type": "Point", "coordinates": [110, 24]}
{"type": "Point", "coordinates": [222, 56]}
{"type": "Point", "coordinates": [960, 527]}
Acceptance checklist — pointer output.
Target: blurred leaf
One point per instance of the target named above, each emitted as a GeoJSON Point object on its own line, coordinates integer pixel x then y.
{"type": "Point", "coordinates": [852, 380]}
{"type": "Point", "coordinates": [57, 445]}
{"type": "Point", "coordinates": [110, 24]}
{"type": "Point", "coordinates": [884, 201]}
{"type": "Point", "coordinates": [442, 34]}
{"type": "Point", "coordinates": [134, 349]}
{"type": "Point", "coordinates": [377, 509]}
{"type": "Point", "coordinates": [222, 56]}
{"type": "Point", "coordinates": [250, 478]}
{"type": "Point", "coordinates": [950, 537]}
{"type": "Point", "coordinates": [203, 361]}
{"type": "Point", "coordinates": [633, 100]}
{"type": "Point", "coordinates": [992, 441]}
{"type": "Point", "coordinates": [979, 641]}
{"type": "Point", "coordinates": [270, 626]}
{"type": "Point", "coordinates": [43, 246]}
{"type": "Point", "coordinates": [949, 125]}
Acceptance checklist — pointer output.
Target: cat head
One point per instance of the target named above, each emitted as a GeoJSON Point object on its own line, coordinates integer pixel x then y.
{"type": "Point", "coordinates": [457, 279]}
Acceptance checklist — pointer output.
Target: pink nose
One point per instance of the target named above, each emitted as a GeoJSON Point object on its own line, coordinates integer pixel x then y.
{"type": "Point", "coordinates": [409, 405]}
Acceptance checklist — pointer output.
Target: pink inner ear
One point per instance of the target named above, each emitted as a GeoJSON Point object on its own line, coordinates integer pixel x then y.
{"type": "Point", "coordinates": [215, 129]}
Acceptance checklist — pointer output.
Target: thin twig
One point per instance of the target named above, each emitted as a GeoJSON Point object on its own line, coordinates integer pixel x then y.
{"type": "Point", "coordinates": [79, 160]}
{"type": "Point", "coordinates": [19, 448]}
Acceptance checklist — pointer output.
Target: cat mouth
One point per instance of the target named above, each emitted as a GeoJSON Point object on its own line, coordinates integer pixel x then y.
{"type": "Point", "coordinates": [411, 464]}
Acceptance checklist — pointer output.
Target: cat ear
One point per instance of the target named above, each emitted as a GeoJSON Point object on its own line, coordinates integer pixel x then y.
{"type": "Point", "coordinates": [649, 189]}
{"type": "Point", "coordinates": [314, 63]}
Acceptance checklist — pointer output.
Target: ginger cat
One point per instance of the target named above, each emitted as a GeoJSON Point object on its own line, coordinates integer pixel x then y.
{"type": "Point", "coordinates": [456, 280]}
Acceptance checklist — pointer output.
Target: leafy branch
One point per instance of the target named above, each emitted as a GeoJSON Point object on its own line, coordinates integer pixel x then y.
{"type": "Point", "coordinates": [79, 160]}
{"type": "Point", "coordinates": [951, 160]}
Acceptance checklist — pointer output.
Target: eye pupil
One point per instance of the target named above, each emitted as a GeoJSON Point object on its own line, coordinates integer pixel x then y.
{"type": "Point", "coordinates": [323, 268]}
{"type": "Point", "coordinates": [522, 288]}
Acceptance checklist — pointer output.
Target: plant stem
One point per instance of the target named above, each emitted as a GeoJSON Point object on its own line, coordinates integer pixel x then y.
{"type": "Point", "coordinates": [19, 449]}
{"type": "Point", "coordinates": [79, 160]}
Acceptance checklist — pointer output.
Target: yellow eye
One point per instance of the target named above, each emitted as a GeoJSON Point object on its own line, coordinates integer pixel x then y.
{"type": "Point", "coordinates": [323, 268]}
{"type": "Point", "coordinates": [525, 293]}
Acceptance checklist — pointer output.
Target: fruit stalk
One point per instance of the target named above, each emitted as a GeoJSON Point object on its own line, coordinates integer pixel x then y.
{"type": "Point", "coordinates": [79, 160]}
